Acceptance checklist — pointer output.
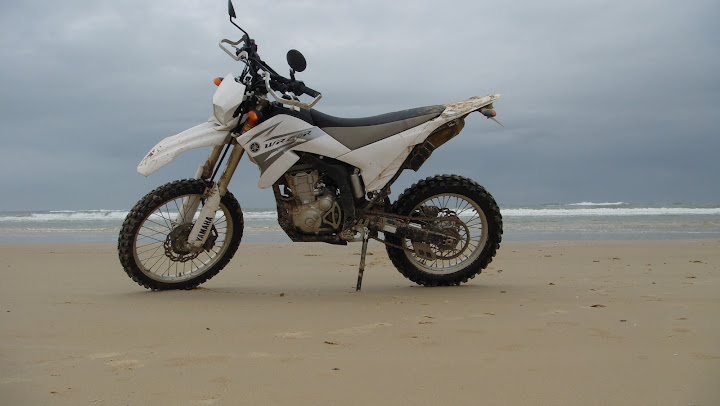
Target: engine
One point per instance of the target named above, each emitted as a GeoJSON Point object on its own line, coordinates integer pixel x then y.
{"type": "Point", "coordinates": [313, 207]}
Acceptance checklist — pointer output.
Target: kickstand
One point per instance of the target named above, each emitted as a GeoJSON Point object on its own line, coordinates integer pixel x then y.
{"type": "Point", "coordinates": [365, 237]}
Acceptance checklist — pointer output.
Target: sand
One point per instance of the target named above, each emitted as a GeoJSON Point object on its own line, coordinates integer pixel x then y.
{"type": "Point", "coordinates": [568, 323]}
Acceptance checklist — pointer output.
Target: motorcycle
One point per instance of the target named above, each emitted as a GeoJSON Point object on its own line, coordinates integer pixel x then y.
{"type": "Point", "coordinates": [331, 179]}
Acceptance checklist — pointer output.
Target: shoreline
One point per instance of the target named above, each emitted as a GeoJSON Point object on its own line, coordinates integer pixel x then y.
{"type": "Point", "coordinates": [579, 322]}
{"type": "Point", "coordinates": [539, 222]}
{"type": "Point", "coordinates": [283, 239]}
{"type": "Point", "coordinates": [102, 237]}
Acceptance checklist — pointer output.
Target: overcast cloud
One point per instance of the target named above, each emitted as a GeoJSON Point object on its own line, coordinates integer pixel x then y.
{"type": "Point", "coordinates": [602, 101]}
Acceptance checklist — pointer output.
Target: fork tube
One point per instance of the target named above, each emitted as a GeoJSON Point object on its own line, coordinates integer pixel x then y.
{"type": "Point", "coordinates": [191, 204]}
{"type": "Point", "coordinates": [188, 209]}
{"type": "Point", "coordinates": [205, 171]}
{"type": "Point", "coordinates": [232, 164]}
{"type": "Point", "coordinates": [199, 233]}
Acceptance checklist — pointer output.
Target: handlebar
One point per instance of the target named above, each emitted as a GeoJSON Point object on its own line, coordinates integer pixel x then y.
{"type": "Point", "coordinates": [273, 81]}
{"type": "Point", "coordinates": [282, 84]}
{"type": "Point", "coordinates": [296, 86]}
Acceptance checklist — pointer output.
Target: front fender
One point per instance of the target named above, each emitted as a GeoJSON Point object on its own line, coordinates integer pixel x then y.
{"type": "Point", "coordinates": [206, 134]}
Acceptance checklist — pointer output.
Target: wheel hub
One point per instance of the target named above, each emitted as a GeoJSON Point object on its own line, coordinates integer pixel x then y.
{"type": "Point", "coordinates": [178, 239]}
{"type": "Point", "coordinates": [177, 247]}
{"type": "Point", "coordinates": [452, 229]}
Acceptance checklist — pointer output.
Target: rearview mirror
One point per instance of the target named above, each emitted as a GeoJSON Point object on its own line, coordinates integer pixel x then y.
{"type": "Point", "coordinates": [296, 60]}
{"type": "Point", "coordinates": [231, 9]}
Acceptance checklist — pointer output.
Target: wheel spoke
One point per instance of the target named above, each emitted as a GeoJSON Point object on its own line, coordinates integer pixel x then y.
{"type": "Point", "coordinates": [154, 236]}
{"type": "Point", "coordinates": [471, 234]}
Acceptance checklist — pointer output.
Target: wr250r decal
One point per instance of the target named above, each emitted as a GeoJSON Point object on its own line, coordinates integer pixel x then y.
{"type": "Point", "coordinates": [269, 148]}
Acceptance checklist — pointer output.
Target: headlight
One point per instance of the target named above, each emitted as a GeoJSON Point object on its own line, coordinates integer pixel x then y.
{"type": "Point", "coordinates": [227, 98]}
{"type": "Point", "coordinates": [219, 114]}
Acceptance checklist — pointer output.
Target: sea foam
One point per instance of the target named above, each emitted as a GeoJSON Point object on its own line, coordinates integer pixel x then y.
{"type": "Point", "coordinates": [609, 212]}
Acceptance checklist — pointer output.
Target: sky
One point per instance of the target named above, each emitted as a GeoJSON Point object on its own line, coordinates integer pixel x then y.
{"type": "Point", "coordinates": [603, 101]}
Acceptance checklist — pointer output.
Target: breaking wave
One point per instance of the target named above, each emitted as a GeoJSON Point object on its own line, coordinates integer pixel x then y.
{"type": "Point", "coordinates": [65, 215]}
{"type": "Point", "coordinates": [608, 212]}
{"type": "Point", "coordinates": [597, 204]}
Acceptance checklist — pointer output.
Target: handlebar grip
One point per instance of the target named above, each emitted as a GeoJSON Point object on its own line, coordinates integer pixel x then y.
{"type": "Point", "coordinates": [308, 91]}
{"type": "Point", "coordinates": [282, 84]}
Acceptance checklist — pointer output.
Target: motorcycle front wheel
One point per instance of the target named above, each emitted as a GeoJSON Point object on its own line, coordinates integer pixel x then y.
{"type": "Point", "coordinates": [152, 244]}
{"type": "Point", "coordinates": [471, 216]}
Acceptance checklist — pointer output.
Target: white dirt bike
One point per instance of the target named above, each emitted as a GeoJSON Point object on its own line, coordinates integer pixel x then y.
{"type": "Point", "coordinates": [331, 178]}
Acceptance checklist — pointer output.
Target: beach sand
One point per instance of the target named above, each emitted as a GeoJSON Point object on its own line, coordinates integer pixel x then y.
{"type": "Point", "coordinates": [568, 323]}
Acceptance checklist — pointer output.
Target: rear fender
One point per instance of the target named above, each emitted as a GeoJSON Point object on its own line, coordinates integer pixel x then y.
{"type": "Point", "coordinates": [207, 134]}
{"type": "Point", "coordinates": [461, 108]}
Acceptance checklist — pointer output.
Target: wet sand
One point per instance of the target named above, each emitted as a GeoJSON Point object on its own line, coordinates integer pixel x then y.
{"type": "Point", "coordinates": [569, 323]}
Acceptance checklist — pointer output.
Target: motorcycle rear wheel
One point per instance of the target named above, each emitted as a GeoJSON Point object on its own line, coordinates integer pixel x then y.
{"type": "Point", "coordinates": [149, 245]}
{"type": "Point", "coordinates": [478, 239]}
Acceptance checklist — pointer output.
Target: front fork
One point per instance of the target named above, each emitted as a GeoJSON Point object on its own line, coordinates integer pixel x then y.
{"type": "Point", "coordinates": [200, 231]}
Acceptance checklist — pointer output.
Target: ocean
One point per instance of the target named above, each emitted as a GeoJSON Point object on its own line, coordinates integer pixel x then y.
{"type": "Point", "coordinates": [573, 221]}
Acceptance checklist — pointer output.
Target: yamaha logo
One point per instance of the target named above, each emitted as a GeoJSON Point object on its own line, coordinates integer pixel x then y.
{"type": "Point", "coordinates": [254, 147]}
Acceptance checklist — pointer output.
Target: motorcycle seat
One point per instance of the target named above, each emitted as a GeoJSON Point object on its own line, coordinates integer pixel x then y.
{"type": "Point", "coordinates": [356, 133]}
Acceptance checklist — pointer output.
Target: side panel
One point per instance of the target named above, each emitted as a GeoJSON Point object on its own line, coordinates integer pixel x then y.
{"type": "Point", "coordinates": [203, 135]}
{"type": "Point", "coordinates": [380, 160]}
{"type": "Point", "coordinates": [270, 145]}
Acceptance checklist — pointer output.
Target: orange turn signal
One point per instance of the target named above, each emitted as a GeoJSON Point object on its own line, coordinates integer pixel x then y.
{"type": "Point", "coordinates": [251, 120]}
{"type": "Point", "coordinates": [217, 81]}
